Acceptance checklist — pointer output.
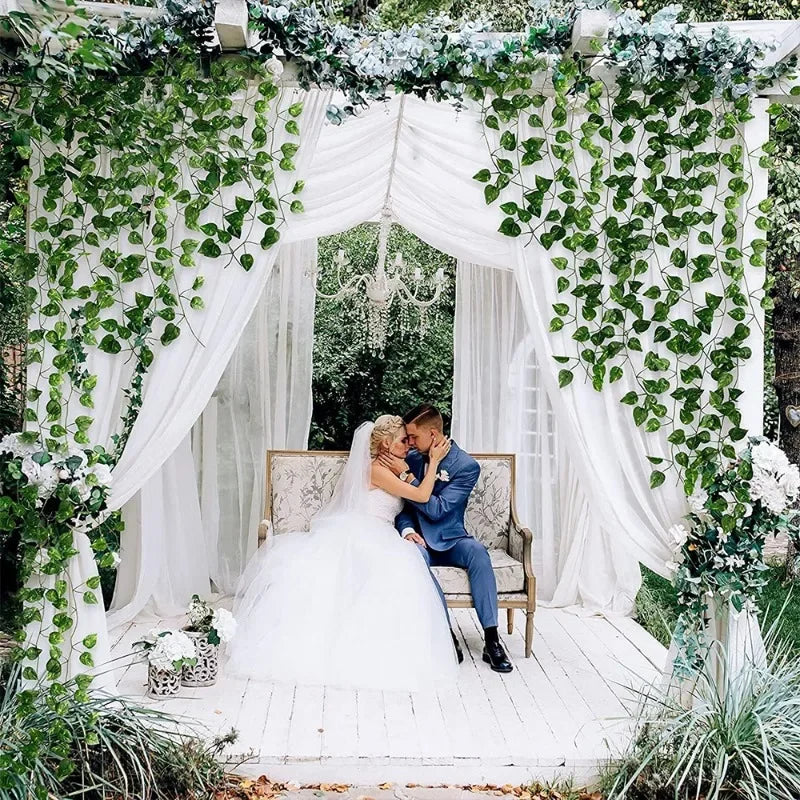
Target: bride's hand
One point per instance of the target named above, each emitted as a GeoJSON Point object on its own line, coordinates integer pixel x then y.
{"type": "Point", "coordinates": [439, 450]}
{"type": "Point", "coordinates": [394, 463]}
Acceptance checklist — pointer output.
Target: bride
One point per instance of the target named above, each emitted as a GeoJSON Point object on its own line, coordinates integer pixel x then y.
{"type": "Point", "coordinates": [350, 603]}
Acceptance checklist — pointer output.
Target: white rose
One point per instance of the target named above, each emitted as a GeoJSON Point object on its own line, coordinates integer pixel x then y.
{"type": "Point", "coordinates": [790, 482]}
{"type": "Point", "coordinates": [31, 470]}
{"type": "Point", "coordinates": [103, 474]}
{"type": "Point", "coordinates": [697, 502]}
{"type": "Point", "coordinates": [679, 535]}
{"type": "Point", "coordinates": [274, 66]}
{"type": "Point", "coordinates": [224, 624]}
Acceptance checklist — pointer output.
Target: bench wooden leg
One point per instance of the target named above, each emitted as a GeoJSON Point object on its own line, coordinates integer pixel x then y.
{"type": "Point", "coordinates": [528, 633]}
{"type": "Point", "coordinates": [510, 620]}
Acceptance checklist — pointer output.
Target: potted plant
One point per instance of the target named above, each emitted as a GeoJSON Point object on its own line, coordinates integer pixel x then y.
{"type": "Point", "coordinates": [168, 652]}
{"type": "Point", "coordinates": [208, 628]}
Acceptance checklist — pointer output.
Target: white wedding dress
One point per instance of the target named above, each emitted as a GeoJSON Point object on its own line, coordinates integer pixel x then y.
{"type": "Point", "coordinates": [348, 604]}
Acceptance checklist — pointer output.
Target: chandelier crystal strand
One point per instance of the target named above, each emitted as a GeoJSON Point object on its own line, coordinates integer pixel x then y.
{"type": "Point", "coordinates": [373, 296]}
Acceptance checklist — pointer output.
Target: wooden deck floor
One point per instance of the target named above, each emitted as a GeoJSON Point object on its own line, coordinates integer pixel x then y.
{"type": "Point", "coordinates": [560, 713]}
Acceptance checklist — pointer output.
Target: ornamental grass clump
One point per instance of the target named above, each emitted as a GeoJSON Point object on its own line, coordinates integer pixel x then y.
{"type": "Point", "coordinates": [739, 739]}
{"type": "Point", "coordinates": [99, 748]}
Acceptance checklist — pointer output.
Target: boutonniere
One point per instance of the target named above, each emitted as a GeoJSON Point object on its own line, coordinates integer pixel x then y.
{"type": "Point", "coordinates": [443, 476]}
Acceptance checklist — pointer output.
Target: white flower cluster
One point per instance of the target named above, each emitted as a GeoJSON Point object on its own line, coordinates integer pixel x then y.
{"type": "Point", "coordinates": [46, 470]}
{"type": "Point", "coordinates": [168, 650]}
{"type": "Point", "coordinates": [224, 624]}
{"type": "Point", "coordinates": [775, 482]}
{"type": "Point", "coordinates": [199, 612]}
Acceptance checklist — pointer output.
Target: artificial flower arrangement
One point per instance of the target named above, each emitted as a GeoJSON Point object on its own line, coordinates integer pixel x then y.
{"type": "Point", "coordinates": [168, 654]}
{"type": "Point", "coordinates": [168, 651]}
{"type": "Point", "coordinates": [719, 552]}
{"type": "Point", "coordinates": [218, 624]}
{"type": "Point", "coordinates": [51, 493]}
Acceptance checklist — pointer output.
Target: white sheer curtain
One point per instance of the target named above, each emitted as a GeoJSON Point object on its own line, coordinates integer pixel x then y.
{"type": "Point", "coordinates": [176, 391]}
{"type": "Point", "coordinates": [488, 330]}
{"type": "Point", "coordinates": [418, 158]}
{"type": "Point", "coordinates": [500, 404]}
{"type": "Point", "coordinates": [262, 402]}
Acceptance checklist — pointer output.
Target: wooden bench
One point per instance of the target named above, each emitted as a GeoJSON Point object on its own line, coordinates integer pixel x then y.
{"type": "Point", "coordinates": [299, 483]}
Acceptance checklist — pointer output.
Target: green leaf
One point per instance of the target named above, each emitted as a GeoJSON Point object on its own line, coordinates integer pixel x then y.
{"type": "Point", "coordinates": [510, 227]}
{"type": "Point", "coordinates": [270, 237]}
{"type": "Point", "coordinates": [565, 377]}
{"type": "Point", "coordinates": [246, 260]}
{"type": "Point", "coordinates": [491, 193]}
{"type": "Point", "coordinates": [484, 176]}
{"type": "Point", "coordinates": [508, 141]}
{"type": "Point", "coordinates": [656, 478]}
{"type": "Point", "coordinates": [210, 249]}
{"type": "Point", "coordinates": [109, 344]}
{"type": "Point", "coordinates": [171, 332]}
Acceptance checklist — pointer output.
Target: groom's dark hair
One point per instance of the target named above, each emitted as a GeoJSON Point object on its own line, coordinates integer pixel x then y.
{"type": "Point", "coordinates": [425, 415]}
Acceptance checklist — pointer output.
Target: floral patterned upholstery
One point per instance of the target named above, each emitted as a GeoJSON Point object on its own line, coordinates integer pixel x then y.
{"type": "Point", "coordinates": [508, 573]}
{"type": "Point", "coordinates": [299, 484]}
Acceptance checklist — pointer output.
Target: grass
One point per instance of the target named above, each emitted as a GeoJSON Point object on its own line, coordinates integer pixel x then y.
{"type": "Point", "coordinates": [102, 748]}
{"type": "Point", "coordinates": [657, 608]}
{"type": "Point", "coordinates": [739, 740]}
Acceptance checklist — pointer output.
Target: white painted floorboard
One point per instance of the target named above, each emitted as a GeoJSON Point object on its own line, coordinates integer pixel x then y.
{"type": "Point", "coordinates": [560, 713]}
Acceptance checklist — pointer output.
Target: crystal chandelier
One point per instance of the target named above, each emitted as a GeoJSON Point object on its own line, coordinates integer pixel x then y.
{"type": "Point", "coordinates": [373, 295]}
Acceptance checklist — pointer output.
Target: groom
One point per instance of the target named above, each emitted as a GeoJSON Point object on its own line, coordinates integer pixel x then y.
{"type": "Point", "coordinates": [437, 527]}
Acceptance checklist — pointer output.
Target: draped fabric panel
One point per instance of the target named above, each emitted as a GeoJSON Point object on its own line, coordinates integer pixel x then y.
{"type": "Point", "coordinates": [262, 402]}
{"type": "Point", "coordinates": [488, 331]}
{"type": "Point", "coordinates": [176, 390]}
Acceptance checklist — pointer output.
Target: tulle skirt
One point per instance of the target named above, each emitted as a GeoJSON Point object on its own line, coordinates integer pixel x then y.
{"type": "Point", "coordinates": [349, 604]}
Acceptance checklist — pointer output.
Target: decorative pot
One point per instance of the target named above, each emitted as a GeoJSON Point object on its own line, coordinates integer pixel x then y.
{"type": "Point", "coordinates": [162, 682]}
{"type": "Point", "coordinates": [204, 672]}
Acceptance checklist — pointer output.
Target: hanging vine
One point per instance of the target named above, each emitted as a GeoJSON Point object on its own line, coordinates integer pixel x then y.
{"type": "Point", "coordinates": [127, 138]}
{"type": "Point", "coordinates": [639, 187]}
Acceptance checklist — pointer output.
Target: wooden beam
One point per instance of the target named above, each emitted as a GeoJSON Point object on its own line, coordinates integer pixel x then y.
{"type": "Point", "coordinates": [590, 31]}
{"type": "Point", "coordinates": [230, 20]}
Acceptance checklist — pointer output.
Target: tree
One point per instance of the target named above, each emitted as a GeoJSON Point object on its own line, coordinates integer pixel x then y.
{"type": "Point", "coordinates": [352, 384]}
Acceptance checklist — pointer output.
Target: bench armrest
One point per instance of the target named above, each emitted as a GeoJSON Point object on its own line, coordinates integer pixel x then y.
{"type": "Point", "coordinates": [264, 531]}
{"type": "Point", "coordinates": [517, 535]}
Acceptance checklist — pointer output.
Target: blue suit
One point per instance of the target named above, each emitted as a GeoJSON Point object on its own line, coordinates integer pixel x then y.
{"type": "Point", "coordinates": [440, 521]}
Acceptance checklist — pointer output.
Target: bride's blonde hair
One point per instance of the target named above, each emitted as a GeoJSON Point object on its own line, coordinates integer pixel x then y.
{"type": "Point", "coordinates": [386, 429]}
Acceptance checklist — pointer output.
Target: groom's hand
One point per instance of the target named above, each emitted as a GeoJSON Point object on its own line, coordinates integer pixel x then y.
{"type": "Point", "coordinates": [416, 538]}
{"type": "Point", "coordinates": [394, 463]}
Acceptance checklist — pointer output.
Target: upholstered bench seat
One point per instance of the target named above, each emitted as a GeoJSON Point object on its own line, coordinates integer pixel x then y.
{"type": "Point", "coordinates": [300, 483]}
{"type": "Point", "coordinates": [508, 572]}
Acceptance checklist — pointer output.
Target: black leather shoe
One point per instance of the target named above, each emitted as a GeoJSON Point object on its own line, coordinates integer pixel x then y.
{"type": "Point", "coordinates": [459, 652]}
{"type": "Point", "coordinates": [495, 656]}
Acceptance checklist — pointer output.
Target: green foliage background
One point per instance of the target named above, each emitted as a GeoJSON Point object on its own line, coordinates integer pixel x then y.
{"type": "Point", "coordinates": [352, 384]}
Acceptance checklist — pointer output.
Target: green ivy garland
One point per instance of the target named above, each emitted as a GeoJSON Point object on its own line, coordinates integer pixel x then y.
{"type": "Point", "coordinates": [680, 333]}
{"type": "Point", "coordinates": [100, 128]}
